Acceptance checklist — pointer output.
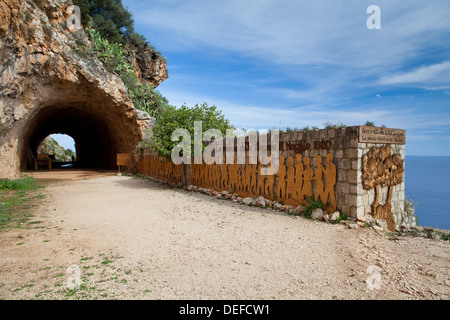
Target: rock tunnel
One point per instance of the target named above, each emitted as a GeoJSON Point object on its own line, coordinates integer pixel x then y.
{"type": "Point", "coordinates": [47, 87]}
{"type": "Point", "coordinates": [95, 140]}
{"type": "Point", "coordinates": [100, 126]}
{"type": "Point", "coordinates": [100, 118]}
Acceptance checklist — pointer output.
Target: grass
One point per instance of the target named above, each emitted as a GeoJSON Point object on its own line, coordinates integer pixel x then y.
{"type": "Point", "coordinates": [106, 261]}
{"type": "Point", "coordinates": [19, 184]}
{"type": "Point", "coordinates": [99, 278]}
{"type": "Point", "coordinates": [17, 198]}
{"type": "Point", "coordinates": [442, 235]}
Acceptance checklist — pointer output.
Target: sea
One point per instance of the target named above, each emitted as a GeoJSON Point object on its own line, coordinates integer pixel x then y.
{"type": "Point", "coordinates": [427, 183]}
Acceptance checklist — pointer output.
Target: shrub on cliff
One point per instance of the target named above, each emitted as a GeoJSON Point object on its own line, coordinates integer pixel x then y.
{"type": "Point", "coordinates": [112, 55]}
{"type": "Point", "coordinates": [111, 29]}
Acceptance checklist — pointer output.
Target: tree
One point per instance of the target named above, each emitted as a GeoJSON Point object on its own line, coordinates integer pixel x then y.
{"type": "Point", "coordinates": [109, 17]}
{"type": "Point", "coordinates": [171, 118]}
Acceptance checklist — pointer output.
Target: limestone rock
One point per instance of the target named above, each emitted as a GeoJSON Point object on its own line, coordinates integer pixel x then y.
{"type": "Point", "coordinates": [334, 216]}
{"type": "Point", "coordinates": [300, 210]}
{"type": "Point", "coordinates": [381, 223]}
{"type": "Point", "coordinates": [248, 201]}
{"type": "Point", "coordinates": [278, 206]}
{"type": "Point", "coordinates": [150, 66]}
{"type": "Point", "coordinates": [367, 218]}
{"type": "Point", "coordinates": [288, 208]}
{"type": "Point", "coordinates": [228, 196]}
{"type": "Point", "coordinates": [261, 202]}
{"type": "Point", "coordinates": [360, 224]}
{"type": "Point", "coordinates": [353, 226]}
{"type": "Point", "coordinates": [317, 214]}
{"type": "Point", "coordinates": [377, 228]}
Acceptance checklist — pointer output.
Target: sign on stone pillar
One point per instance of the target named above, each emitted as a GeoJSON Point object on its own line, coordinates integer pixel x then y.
{"type": "Point", "coordinates": [381, 135]}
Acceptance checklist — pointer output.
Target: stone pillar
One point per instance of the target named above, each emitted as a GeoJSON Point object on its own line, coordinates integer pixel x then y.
{"type": "Point", "coordinates": [368, 146]}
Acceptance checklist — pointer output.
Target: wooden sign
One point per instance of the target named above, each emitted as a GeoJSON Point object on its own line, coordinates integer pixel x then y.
{"type": "Point", "coordinates": [123, 159]}
{"type": "Point", "coordinates": [381, 135]}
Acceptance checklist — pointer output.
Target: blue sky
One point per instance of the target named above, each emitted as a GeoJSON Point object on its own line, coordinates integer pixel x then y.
{"type": "Point", "coordinates": [276, 64]}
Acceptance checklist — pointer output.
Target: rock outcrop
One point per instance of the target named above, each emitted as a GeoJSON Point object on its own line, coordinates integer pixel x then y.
{"type": "Point", "coordinates": [149, 65]}
{"type": "Point", "coordinates": [47, 87]}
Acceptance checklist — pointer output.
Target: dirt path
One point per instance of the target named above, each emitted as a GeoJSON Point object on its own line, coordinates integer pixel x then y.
{"type": "Point", "coordinates": [132, 238]}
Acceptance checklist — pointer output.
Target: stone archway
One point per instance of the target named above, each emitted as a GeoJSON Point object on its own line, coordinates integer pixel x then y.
{"type": "Point", "coordinates": [100, 125]}
{"type": "Point", "coordinates": [95, 140]}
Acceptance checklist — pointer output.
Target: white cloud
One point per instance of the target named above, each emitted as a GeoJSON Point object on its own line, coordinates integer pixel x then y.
{"type": "Point", "coordinates": [261, 116]}
{"type": "Point", "coordinates": [433, 77]}
{"type": "Point", "coordinates": [298, 32]}
{"type": "Point", "coordinates": [324, 44]}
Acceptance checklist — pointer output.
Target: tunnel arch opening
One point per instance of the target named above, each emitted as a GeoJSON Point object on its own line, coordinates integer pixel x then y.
{"type": "Point", "coordinates": [98, 137]}
{"type": "Point", "coordinates": [60, 148]}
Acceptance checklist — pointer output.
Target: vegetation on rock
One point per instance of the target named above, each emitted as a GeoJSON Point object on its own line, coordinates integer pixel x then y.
{"type": "Point", "coordinates": [51, 147]}
{"type": "Point", "coordinates": [111, 30]}
{"type": "Point", "coordinates": [110, 18]}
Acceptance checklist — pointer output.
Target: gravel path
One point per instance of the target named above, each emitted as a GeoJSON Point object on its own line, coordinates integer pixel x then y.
{"type": "Point", "coordinates": [130, 238]}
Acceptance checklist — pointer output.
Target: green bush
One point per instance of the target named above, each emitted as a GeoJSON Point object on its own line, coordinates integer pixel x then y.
{"type": "Point", "coordinates": [110, 53]}
{"type": "Point", "coordinates": [410, 205]}
{"type": "Point", "coordinates": [171, 118]}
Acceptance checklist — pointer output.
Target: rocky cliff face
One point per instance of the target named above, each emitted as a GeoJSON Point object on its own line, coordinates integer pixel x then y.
{"type": "Point", "coordinates": [46, 87]}
{"type": "Point", "coordinates": [149, 65]}
{"type": "Point", "coordinates": [51, 147]}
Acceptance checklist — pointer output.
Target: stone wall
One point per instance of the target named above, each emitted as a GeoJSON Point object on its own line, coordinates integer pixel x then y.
{"type": "Point", "coordinates": [342, 143]}
{"type": "Point", "coordinates": [357, 193]}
